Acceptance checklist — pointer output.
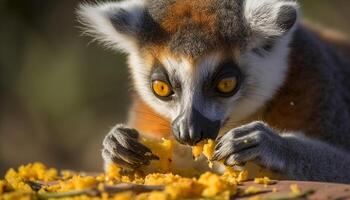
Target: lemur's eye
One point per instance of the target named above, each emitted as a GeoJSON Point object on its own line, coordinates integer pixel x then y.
{"type": "Point", "coordinates": [161, 88]}
{"type": "Point", "coordinates": [227, 85]}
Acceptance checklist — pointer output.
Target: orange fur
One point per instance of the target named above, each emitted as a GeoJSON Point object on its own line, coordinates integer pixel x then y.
{"type": "Point", "coordinates": [292, 108]}
{"type": "Point", "coordinates": [191, 12]}
{"type": "Point", "coordinates": [147, 121]}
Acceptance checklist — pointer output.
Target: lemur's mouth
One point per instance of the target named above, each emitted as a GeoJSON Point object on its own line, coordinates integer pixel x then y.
{"type": "Point", "coordinates": [192, 127]}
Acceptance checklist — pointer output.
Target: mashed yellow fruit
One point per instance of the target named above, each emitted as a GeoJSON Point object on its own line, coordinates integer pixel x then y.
{"type": "Point", "coordinates": [164, 150]}
{"type": "Point", "coordinates": [264, 180]}
{"type": "Point", "coordinates": [175, 186]}
{"type": "Point", "coordinates": [36, 181]}
{"type": "Point", "coordinates": [207, 148]}
{"type": "Point", "coordinates": [295, 190]}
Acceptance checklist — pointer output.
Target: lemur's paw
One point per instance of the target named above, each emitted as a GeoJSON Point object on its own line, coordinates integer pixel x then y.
{"type": "Point", "coordinates": [121, 146]}
{"type": "Point", "coordinates": [253, 142]}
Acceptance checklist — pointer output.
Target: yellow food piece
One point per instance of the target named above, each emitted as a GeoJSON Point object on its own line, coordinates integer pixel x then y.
{"type": "Point", "coordinates": [234, 176]}
{"type": "Point", "coordinates": [215, 185]}
{"type": "Point", "coordinates": [37, 171]}
{"type": "Point", "coordinates": [66, 174]}
{"type": "Point", "coordinates": [197, 150]}
{"type": "Point", "coordinates": [252, 190]}
{"type": "Point", "coordinates": [295, 189]}
{"type": "Point", "coordinates": [18, 195]}
{"type": "Point", "coordinates": [264, 181]}
{"type": "Point", "coordinates": [176, 186]}
{"type": "Point", "coordinates": [243, 176]}
{"type": "Point", "coordinates": [124, 196]}
{"type": "Point", "coordinates": [77, 182]}
{"type": "Point", "coordinates": [154, 196]}
{"type": "Point", "coordinates": [164, 150]}
{"type": "Point", "coordinates": [207, 148]}
{"type": "Point", "coordinates": [30, 172]}
{"type": "Point", "coordinates": [113, 171]}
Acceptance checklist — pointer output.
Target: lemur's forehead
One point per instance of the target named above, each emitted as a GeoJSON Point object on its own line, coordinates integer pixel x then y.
{"type": "Point", "coordinates": [197, 27]}
{"type": "Point", "coordinates": [189, 13]}
{"type": "Point", "coordinates": [178, 62]}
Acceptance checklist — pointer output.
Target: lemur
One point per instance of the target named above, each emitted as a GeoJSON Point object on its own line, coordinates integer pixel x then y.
{"type": "Point", "coordinates": [269, 88]}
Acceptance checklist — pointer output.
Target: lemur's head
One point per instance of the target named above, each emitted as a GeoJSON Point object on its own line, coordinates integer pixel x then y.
{"type": "Point", "coordinates": [199, 62]}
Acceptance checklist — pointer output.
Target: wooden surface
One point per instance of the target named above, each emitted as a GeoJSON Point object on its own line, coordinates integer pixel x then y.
{"type": "Point", "coordinates": [327, 191]}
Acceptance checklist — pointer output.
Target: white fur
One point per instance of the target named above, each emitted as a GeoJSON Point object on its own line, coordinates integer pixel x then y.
{"type": "Point", "coordinates": [264, 76]}
{"type": "Point", "coordinates": [141, 75]}
{"type": "Point", "coordinates": [191, 78]}
{"type": "Point", "coordinates": [262, 15]}
{"type": "Point", "coordinates": [95, 18]}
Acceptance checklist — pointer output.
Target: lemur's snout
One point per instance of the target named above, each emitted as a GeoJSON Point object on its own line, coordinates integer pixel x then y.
{"type": "Point", "coordinates": [192, 127]}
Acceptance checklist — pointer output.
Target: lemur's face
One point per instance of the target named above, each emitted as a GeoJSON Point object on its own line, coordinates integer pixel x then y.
{"type": "Point", "coordinates": [196, 94]}
{"type": "Point", "coordinates": [200, 63]}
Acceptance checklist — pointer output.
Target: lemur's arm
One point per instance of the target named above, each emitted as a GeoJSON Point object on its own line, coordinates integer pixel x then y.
{"type": "Point", "coordinates": [296, 156]}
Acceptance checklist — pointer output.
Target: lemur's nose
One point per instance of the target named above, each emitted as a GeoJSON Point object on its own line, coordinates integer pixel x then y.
{"type": "Point", "coordinates": [192, 127]}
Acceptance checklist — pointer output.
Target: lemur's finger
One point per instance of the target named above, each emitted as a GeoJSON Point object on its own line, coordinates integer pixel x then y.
{"type": "Point", "coordinates": [107, 155]}
{"type": "Point", "coordinates": [121, 136]}
{"type": "Point", "coordinates": [226, 148]}
{"type": "Point", "coordinates": [244, 130]}
{"type": "Point", "coordinates": [137, 147]}
{"type": "Point", "coordinates": [242, 157]}
{"type": "Point", "coordinates": [128, 154]}
{"type": "Point", "coordinates": [143, 150]}
{"type": "Point", "coordinates": [124, 131]}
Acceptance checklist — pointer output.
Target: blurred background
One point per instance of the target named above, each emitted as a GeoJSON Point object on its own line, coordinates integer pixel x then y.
{"type": "Point", "coordinates": [59, 95]}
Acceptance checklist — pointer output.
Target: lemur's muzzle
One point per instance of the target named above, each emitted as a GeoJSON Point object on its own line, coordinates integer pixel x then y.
{"type": "Point", "coordinates": [192, 127]}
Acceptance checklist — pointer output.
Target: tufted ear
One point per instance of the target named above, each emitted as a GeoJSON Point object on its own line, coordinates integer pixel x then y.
{"type": "Point", "coordinates": [270, 18]}
{"type": "Point", "coordinates": [116, 24]}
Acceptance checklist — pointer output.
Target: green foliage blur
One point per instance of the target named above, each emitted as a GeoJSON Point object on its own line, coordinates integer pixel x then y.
{"type": "Point", "coordinates": [59, 94]}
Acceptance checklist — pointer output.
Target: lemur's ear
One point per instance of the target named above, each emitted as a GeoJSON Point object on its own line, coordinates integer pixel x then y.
{"type": "Point", "coordinates": [270, 18]}
{"type": "Point", "coordinates": [116, 24]}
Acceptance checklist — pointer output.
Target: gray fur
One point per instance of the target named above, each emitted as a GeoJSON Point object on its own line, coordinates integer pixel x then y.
{"type": "Point", "coordinates": [232, 27]}
{"type": "Point", "coordinates": [294, 155]}
{"type": "Point", "coordinates": [287, 16]}
{"type": "Point", "coordinates": [121, 146]}
{"type": "Point", "coordinates": [146, 31]}
{"type": "Point", "coordinates": [190, 40]}
{"type": "Point", "coordinates": [329, 73]}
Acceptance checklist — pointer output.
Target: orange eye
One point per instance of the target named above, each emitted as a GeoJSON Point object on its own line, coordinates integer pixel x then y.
{"type": "Point", "coordinates": [161, 88]}
{"type": "Point", "coordinates": [227, 85]}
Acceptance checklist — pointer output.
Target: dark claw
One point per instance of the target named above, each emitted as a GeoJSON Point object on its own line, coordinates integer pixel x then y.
{"type": "Point", "coordinates": [218, 146]}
